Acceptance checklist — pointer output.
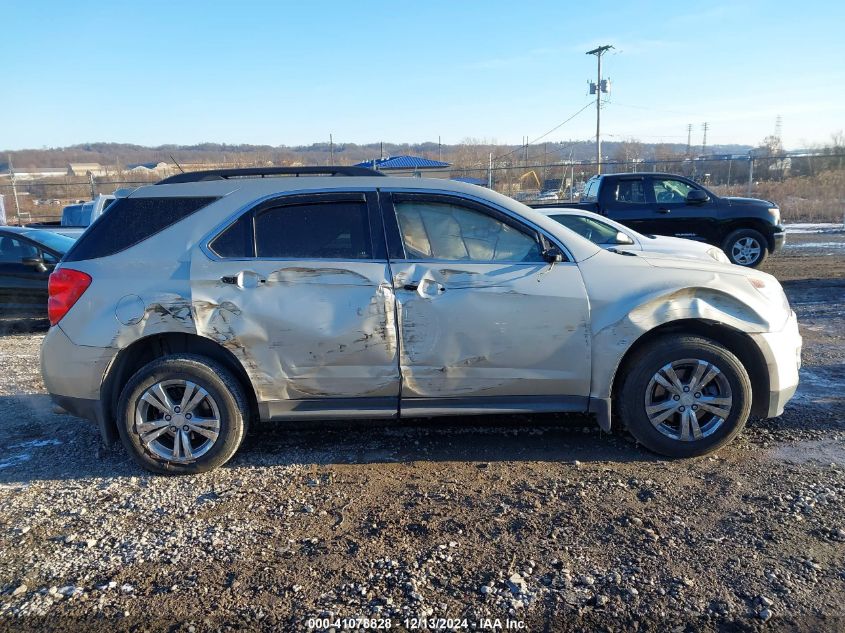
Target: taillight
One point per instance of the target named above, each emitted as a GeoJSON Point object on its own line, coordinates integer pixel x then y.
{"type": "Point", "coordinates": [65, 287]}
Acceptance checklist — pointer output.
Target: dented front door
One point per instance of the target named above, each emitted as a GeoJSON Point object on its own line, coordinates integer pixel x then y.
{"type": "Point", "coordinates": [482, 316]}
{"type": "Point", "coordinates": [310, 313]}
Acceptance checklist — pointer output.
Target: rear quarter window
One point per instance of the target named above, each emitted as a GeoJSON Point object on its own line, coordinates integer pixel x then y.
{"type": "Point", "coordinates": [130, 221]}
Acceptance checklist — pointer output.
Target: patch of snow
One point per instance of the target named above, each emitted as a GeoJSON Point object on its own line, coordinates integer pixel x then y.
{"type": "Point", "coordinates": [14, 460]}
{"type": "Point", "coordinates": [819, 227]}
{"type": "Point", "coordinates": [816, 245]}
{"type": "Point", "coordinates": [36, 444]}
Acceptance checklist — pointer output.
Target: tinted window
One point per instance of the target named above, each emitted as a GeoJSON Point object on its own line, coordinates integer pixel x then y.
{"type": "Point", "coordinates": [236, 241]}
{"type": "Point", "coordinates": [321, 230]}
{"type": "Point", "coordinates": [591, 190]}
{"type": "Point", "coordinates": [13, 250]}
{"type": "Point", "coordinates": [630, 192]}
{"type": "Point", "coordinates": [436, 230]}
{"type": "Point", "coordinates": [131, 221]}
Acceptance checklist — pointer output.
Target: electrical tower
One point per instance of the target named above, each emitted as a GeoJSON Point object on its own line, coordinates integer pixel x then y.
{"type": "Point", "coordinates": [599, 87]}
{"type": "Point", "coordinates": [779, 130]}
{"type": "Point", "coordinates": [689, 139]}
{"type": "Point", "coordinates": [704, 126]}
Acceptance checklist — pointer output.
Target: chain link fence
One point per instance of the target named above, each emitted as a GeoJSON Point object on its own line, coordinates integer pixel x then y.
{"type": "Point", "coordinates": [807, 187]}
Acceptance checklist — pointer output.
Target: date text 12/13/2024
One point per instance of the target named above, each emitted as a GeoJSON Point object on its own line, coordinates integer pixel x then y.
{"type": "Point", "coordinates": [415, 624]}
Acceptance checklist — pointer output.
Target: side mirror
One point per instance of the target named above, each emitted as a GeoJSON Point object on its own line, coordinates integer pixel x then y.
{"type": "Point", "coordinates": [36, 262]}
{"type": "Point", "coordinates": [553, 255]}
{"type": "Point", "coordinates": [622, 238]}
{"type": "Point", "coordinates": [697, 196]}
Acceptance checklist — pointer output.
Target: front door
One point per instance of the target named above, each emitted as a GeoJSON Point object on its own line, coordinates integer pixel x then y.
{"type": "Point", "coordinates": [299, 289]}
{"type": "Point", "coordinates": [484, 321]}
{"type": "Point", "coordinates": [23, 286]}
{"type": "Point", "coordinates": [672, 215]}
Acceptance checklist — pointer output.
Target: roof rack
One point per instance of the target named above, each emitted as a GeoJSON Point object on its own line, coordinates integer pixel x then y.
{"type": "Point", "coordinates": [262, 172]}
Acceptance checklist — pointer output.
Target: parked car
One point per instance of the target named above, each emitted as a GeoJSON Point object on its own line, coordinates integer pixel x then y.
{"type": "Point", "coordinates": [746, 229]}
{"type": "Point", "coordinates": [27, 257]}
{"type": "Point", "coordinates": [212, 299]}
{"type": "Point", "coordinates": [609, 234]}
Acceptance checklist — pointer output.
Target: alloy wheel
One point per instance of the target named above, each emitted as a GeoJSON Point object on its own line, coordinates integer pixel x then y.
{"type": "Point", "coordinates": [177, 420]}
{"type": "Point", "coordinates": [688, 399]}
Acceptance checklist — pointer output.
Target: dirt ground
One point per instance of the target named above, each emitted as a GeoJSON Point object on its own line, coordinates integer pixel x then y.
{"type": "Point", "coordinates": [529, 523]}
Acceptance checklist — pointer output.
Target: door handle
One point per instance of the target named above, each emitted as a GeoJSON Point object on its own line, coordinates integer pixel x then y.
{"type": "Point", "coordinates": [244, 279]}
{"type": "Point", "coordinates": [414, 286]}
{"type": "Point", "coordinates": [664, 211]}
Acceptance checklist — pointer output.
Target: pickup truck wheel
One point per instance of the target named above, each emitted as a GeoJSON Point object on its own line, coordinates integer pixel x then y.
{"type": "Point", "coordinates": [746, 247]}
{"type": "Point", "coordinates": [685, 396]}
{"type": "Point", "coordinates": [182, 414]}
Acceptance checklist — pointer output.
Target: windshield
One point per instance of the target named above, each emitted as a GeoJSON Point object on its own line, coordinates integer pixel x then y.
{"type": "Point", "coordinates": [595, 231]}
{"type": "Point", "coordinates": [53, 241]}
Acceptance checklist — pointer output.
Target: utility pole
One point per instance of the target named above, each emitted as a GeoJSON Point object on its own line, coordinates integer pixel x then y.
{"type": "Point", "coordinates": [750, 172]}
{"type": "Point", "coordinates": [599, 88]}
{"type": "Point", "coordinates": [93, 186]}
{"type": "Point", "coordinates": [331, 149]}
{"type": "Point", "coordinates": [14, 190]}
{"type": "Point", "coordinates": [439, 149]}
{"type": "Point", "coordinates": [490, 172]}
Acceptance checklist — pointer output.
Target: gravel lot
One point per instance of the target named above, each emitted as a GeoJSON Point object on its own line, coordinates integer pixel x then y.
{"type": "Point", "coordinates": [543, 521]}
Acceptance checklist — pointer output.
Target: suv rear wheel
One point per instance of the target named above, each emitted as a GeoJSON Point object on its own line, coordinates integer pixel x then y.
{"type": "Point", "coordinates": [685, 396]}
{"type": "Point", "coordinates": [182, 414]}
{"type": "Point", "coordinates": [746, 247]}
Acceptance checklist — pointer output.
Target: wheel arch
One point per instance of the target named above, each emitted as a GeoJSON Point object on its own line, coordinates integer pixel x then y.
{"type": "Point", "coordinates": [754, 224]}
{"type": "Point", "coordinates": [131, 358]}
{"type": "Point", "coordinates": [737, 342]}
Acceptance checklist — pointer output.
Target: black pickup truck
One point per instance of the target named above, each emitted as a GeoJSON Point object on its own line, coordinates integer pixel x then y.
{"type": "Point", "coordinates": [665, 204]}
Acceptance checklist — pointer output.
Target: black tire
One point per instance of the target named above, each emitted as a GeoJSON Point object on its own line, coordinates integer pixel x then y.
{"type": "Point", "coordinates": [733, 247]}
{"type": "Point", "coordinates": [631, 397]}
{"type": "Point", "coordinates": [224, 389]}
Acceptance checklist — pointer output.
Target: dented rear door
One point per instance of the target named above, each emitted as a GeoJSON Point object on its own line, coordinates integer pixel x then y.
{"type": "Point", "coordinates": [299, 289]}
{"type": "Point", "coordinates": [483, 319]}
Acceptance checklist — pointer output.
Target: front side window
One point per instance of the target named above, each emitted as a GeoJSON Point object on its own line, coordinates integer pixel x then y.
{"type": "Point", "coordinates": [630, 192]}
{"type": "Point", "coordinates": [13, 250]}
{"type": "Point", "coordinates": [671, 191]}
{"type": "Point", "coordinates": [591, 191]}
{"type": "Point", "coordinates": [320, 230]}
{"type": "Point", "coordinates": [440, 230]}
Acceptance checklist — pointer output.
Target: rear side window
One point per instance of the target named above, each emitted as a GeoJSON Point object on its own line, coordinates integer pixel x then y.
{"type": "Point", "coordinates": [236, 241]}
{"type": "Point", "coordinates": [131, 221]}
{"type": "Point", "coordinates": [321, 230]}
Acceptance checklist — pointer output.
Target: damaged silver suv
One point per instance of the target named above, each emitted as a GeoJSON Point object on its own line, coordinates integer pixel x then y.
{"type": "Point", "coordinates": [213, 299]}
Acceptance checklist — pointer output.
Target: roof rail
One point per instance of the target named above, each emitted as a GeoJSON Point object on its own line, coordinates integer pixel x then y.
{"type": "Point", "coordinates": [262, 172]}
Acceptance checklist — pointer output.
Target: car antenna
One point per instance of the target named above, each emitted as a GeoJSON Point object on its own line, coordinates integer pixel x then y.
{"type": "Point", "coordinates": [177, 164]}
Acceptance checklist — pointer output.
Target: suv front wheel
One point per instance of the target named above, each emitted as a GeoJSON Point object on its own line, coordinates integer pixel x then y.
{"type": "Point", "coordinates": [182, 414]}
{"type": "Point", "coordinates": [684, 396]}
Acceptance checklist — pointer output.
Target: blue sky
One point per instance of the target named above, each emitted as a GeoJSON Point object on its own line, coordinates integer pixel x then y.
{"type": "Point", "coordinates": [154, 72]}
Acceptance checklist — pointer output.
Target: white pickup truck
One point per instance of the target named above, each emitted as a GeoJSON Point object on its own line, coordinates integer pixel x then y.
{"type": "Point", "coordinates": [77, 217]}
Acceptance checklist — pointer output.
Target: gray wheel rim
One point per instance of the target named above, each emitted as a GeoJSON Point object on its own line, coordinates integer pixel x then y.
{"type": "Point", "coordinates": [688, 399]}
{"type": "Point", "coordinates": [746, 251]}
{"type": "Point", "coordinates": [177, 420]}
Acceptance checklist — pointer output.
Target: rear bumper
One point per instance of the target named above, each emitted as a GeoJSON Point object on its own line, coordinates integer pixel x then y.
{"type": "Point", "coordinates": [782, 351]}
{"type": "Point", "coordinates": [73, 375]}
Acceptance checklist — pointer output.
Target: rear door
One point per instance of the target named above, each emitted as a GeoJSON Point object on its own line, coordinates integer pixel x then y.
{"type": "Point", "coordinates": [299, 289]}
{"type": "Point", "coordinates": [484, 321]}
{"type": "Point", "coordinates": [626, 200]}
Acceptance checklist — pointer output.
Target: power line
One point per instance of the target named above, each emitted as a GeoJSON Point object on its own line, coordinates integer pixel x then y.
{"type": "Point", "coordinates": [544, 135]}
